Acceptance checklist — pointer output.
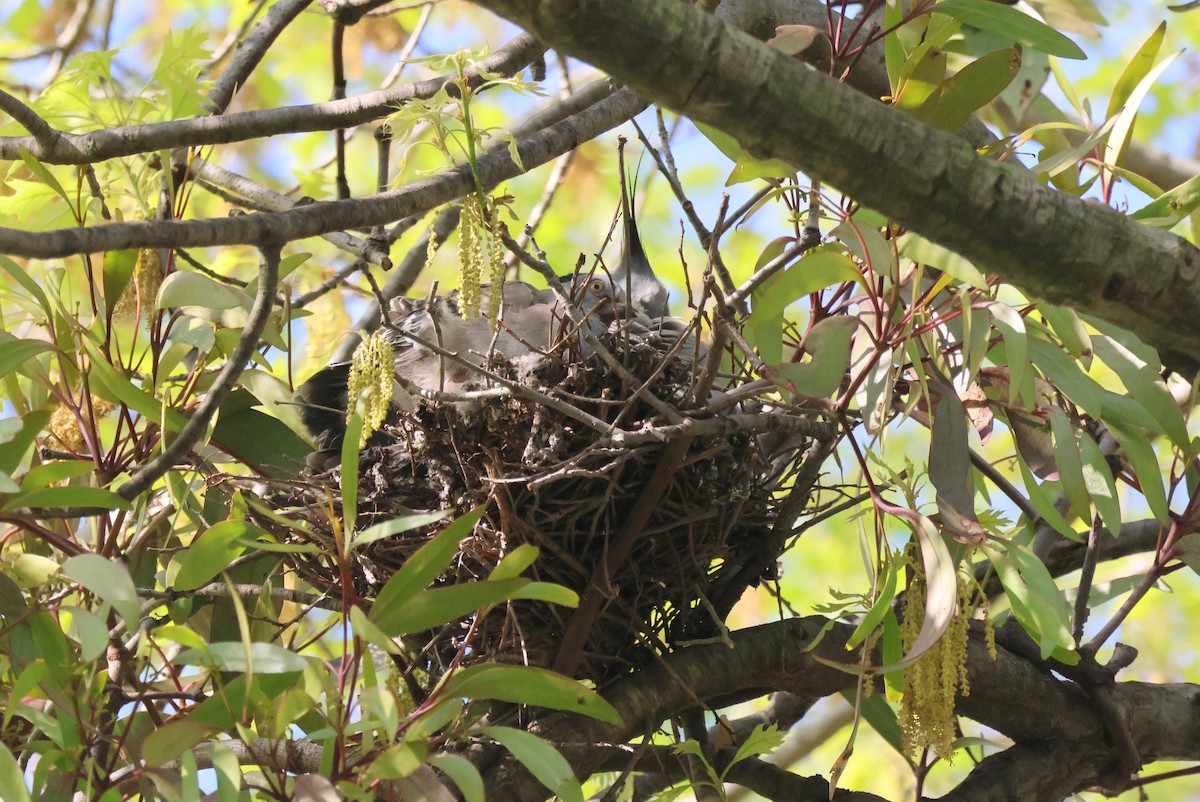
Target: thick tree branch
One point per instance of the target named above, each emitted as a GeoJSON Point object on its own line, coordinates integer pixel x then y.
{"type": "Point", "coordinates": [321, 218]}
{"type": "Point", "coordinates": [1051, 245]}
{"type": "Point", "coordinates": [1010, 695]}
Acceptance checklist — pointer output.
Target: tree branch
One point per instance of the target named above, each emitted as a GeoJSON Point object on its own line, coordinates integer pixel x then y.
{"type": "Point", "coordinates": [1051, 245]}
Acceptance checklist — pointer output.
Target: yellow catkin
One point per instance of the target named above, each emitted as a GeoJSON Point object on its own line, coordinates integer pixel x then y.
{"type": "Point", "coordinates": [369, 387]}
{"type": "Point", "coordinates": [470, 256]}
{"type": "Point", "coordinates": [64, 425]}
{"type": "Point", "coordinates": [495, 259]}
{"type": "Point", "coordinates": [937, 678]}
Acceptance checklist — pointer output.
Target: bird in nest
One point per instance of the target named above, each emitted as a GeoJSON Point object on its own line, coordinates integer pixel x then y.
{"type": "Point", "coordinates": [531, 323]}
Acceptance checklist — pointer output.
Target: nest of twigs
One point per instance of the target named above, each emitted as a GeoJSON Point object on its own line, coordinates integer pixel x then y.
{"type": "Point", "coordinates": [576, 493]}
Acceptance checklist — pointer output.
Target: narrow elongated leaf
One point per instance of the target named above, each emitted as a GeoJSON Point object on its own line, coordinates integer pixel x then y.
{"type": "Point", "coordinates": [423, 567]}
{"type": "Point", "coordinates": [432, 608]}
{"type": "Point", "coordinates": [70, 497]}
{"type": "Point", "coordinates": [1172, 206]}
{"type": "Point", "coordinates": [1100, 484]}
{"type": "Point", "coordinates": [108, 581]}
{"type": "Point", "coordinates": [1070, 464]}
{"type": "Point", "coordinates": [1114, 148]}
{"type": "Point", "coordinates": [1016, 345]}
{"type": "Point", "coordinates": [17, 435]}
{"type": "Point", "coordinates": [12, 780]}
{"type": "Point", "coordinates": [880, 607]}
{"type": "Point", "coordinates": [259, 658]}
{"type": "Point", "coordinates": [15, 353]}
{"type": "Point", "coordinates": [543, 760]}
{"type": "Point", "coordinates": [121, 389]}
{"type": "Point", "coordinates": [970, 89]}
{"type": "Point", "coordinates": [1070, 330]}
{"type": "Point", "coordinates": [1013, 24]}
{"type": "Point", "coordinates": [1146, 386]}
{"type": "Point", "coordinates": [212, 552]}
{"type": "Point", "coordinates": [1065, 375]}
{"type": "Point", "coordinates": [921, 250]}
{"type": "Point", "coordinates": [118, 269]}
{"type": "Point", "coordinates": [527, 685]}
{"type": "Point", "coordinates": [815, 272]}
{"type": "Point", "coordinates": [1136, 70]}
{"type": "Point", "coordinates": [43, 173]}
{"type": "Point", "coordinates": [1140, 454]}
{"type": "Point", "coordinates": [405, 523]}
{"type": "Point", "coordinates": [1036, 601]}
{"type": "Point", "coordinates": [464, 774]}
{"type": "Point", "coordinates": [950, 468]}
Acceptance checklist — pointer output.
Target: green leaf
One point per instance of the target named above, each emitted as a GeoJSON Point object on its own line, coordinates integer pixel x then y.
{"type": "Point", "coordinates": [212, 551]}
{"type": "Point", "coordinates": [1012, 24]}
{"type": "Point", "coordinates": [423, 567]}
{"type": "Point", "coordinates": [1016, 345]}
{"type": "Point", "coordinates": [1100, 484]}
{"type": "Point", "coordinates": [109, 581]}
{"type": "Point", "coordinates": [18, 436]}
{"type": "Point", "coordinates": [921, 250]}
{"type": "Point", "coordinates": [257, 658]}
{"type": "Point", "coordinates": [1070, 463]}
{"type": "Point", "coordinates": [1043, 505]}
{"type": "Point", "coordinates": [40, 170]}
{"type": "Point", "coordinates": [1140, 454]}
{"type": "Point", "coordinates": [882, 718]}
{"type": "Point", "coordinates": [117, 270]}
{"type": "Point", "coordinates": [746, 167]}
{"type": "Point", "coordinates": [1114, 148]}
{"type": "Point", "coordinates": [883, 603]}
{"type": "Point", "coordinates": [464, 774]}
{"type": "Point", "coordinates": [1172, 206]}
{"type": "Point", "coordinates": [70, 497]}
{"type": "Point", "coordinates": [763, 740]}
{"type": "Point", "coordinates": [950, 467]}
{"type": "Point", "coordinates": [185, 288]}
{"type": "Point", "coordinates": [349, 476]}
{"type": "Point", "coordinates": [526, 685]}
{"type": "Point", "coordinates": [22, 277]}
{"type": "Point", "coordinates": [1066, 376]}
{"type": "Point", "coordinates": [548, 592]}
{"type": "Point", "coordinates": [970, 89]}
{"type": "Point", "coordinates": [12, 779]}
{"type": "Point", "coordinates": [51, 472]}
{"type": "Point", "coordinates": [1137, 69]}
{"type": "Point", "coordinates": [174, 738]}
{"type": "Point", "coordinates": [1070, 330]}
{"type": "Point", "coordinates": [1147, 387]}
{"type": "Point", "coordinates": [257, 439]}
{"type": "Point", "coordinates": [941, 587]}
{"type": "Point", "coordinates": [816, 271]}
{"type": "Point", "coordinates": [1039, 606]}
{"type": "Point", "coordinates": [1187, 550]}
{"type": "Point", "coordinates": [15, 353]}
{"type": "Point", "coordinates": [515, 562]}
{"type": "Point", "coordinates": [828, 348]}
{"type": "Point", "coordinates": [543, 760]}
{"type": "Point", "coordinates": [405, 523]}
{"type": "Point", "coordinates": [432, 608]}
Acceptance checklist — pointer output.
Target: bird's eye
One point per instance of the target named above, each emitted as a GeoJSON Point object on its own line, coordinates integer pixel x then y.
{"type": "Point", "coordinates": [597, 285]}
